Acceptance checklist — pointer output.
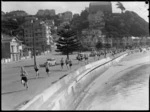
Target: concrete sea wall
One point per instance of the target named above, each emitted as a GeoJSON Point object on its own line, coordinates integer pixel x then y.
{"type": "Point", "coordinates": [66, 93]}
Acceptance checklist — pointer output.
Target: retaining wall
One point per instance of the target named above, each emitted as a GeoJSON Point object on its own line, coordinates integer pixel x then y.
{"type": "Point", "coordinates": [66, 93]}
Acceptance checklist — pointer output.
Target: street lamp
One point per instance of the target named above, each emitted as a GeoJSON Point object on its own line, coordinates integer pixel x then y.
{"type": "Point", "coordinates": [33, 44]}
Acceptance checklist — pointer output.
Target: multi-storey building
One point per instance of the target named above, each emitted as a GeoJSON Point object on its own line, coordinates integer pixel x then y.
{"type": "Point", "coordinates": [50, 22]}
{"type": "Point", "coordinates": [91, 37]}
{"type": "Point", "coordinates": [16, 13]}
{"type": "Point", "coordinates": [102, 6]}
{"type": "Point", "coordinates": [76, 15]}
{"type": "Point", "coordinates": [41, 31]}
{"type": "Point", "coordinates": [66, 16]}
{"type": "Point", "coordinates": [97, 11]}
{"type": "Point", "coordinates": [46, 12]}
{"type": "Point", "coordinates": [96, 20]}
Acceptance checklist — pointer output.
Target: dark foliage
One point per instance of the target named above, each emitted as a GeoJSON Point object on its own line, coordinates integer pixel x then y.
{"type": "Point", "coordinates": [67, 42]}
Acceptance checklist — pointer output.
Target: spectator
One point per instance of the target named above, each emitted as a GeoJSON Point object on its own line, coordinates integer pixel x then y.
{"type": "Point", "coordinates": [24, 79]}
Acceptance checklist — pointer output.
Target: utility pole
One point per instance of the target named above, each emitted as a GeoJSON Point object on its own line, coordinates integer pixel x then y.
{"type": "Point", "coordinates": [33, 44]}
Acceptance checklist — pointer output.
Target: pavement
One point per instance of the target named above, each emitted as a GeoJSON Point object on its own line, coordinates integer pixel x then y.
{"type": "Point", "coordinates": [13, 93]}
{"type": "Point", "coordinates": [124, 86]}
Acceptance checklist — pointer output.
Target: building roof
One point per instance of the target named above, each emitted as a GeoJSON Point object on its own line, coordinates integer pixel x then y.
{"type": "Point", "coordinates": [100, 3]}
{"type": "Point", "coordinates": [7, 38]}
{"type": "Point", "coordinates": [103, 6]}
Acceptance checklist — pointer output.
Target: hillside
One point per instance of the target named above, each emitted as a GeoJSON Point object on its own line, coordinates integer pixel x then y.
{"type": "Point", "coordinates": [126, 24]}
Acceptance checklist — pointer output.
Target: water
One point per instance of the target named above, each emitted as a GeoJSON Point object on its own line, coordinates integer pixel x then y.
{"type": "Point", "coordinates": [127, 92]}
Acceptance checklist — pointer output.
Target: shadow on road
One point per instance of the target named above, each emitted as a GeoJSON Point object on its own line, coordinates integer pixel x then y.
{"type": "Point", "coordinates": [26, 66]}
{"type": "Point", "coordinates": [13, 91]}
{"type": "Point", "coordinates": [55, 81]}
{"type": "Point", "coordinates": [28, 79]}
{"type": "Point", "coordinates": [21, 104]}
{"type": "Point", "coordinates": [35, 78]}
{"type": "Point", "coordinates": [29, 66]}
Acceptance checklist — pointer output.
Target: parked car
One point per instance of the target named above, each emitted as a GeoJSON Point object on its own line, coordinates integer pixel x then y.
{"type": "Point", "coordinates": [80, 55]}
{"type": "Point", "coordinates": [51, 62]}
{"type": "Point", "coordinates": [93, 53]}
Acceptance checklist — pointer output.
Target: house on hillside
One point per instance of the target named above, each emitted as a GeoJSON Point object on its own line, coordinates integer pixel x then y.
{"type": "Point", "coordinates": [11, 48]}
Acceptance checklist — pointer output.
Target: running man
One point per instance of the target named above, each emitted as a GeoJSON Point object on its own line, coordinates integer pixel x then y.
{"type": "Point", "coordinates": [24, 79]}
{"type": "Point", "coordinates": [62, 62]}
{"type": "Point", "coordinates": [47, 68]}
{"type": "Point", "coordinates": [37, 70]}
{"type": "Point", "coordinates": [67, 62]}
{"type": "Point", "coordinates": [70, 63]}
{"type": "Point", "coordinates": [86, 58]}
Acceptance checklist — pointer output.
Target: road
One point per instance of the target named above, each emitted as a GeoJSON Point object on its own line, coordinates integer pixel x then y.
{"type": "Point", "coordinates": [14, 94]}
{"type": "Point", "coordinates": [124, 86]}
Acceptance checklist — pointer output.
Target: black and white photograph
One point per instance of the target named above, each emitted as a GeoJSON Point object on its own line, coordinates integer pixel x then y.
{"type": "Point", "coordinates": [75, 55]}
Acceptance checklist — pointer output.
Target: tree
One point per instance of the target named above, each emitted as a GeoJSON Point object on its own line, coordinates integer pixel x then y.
{"type": "Point", "coordinates": [99, 45]}
{"type": "Point", "coordinates": [107, 46]}
{"type": "Point", "coordinates": [67, 42]}
{"type": "Point", "coordinates": [120, 6]}
{"type": "Point", "coordinates": [81, 22]}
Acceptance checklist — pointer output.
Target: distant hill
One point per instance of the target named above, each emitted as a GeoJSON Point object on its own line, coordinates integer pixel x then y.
{"type": "Point", "coordinates": [138, 26]}
{"type": "Point", "coordinates": [2, 13]}
{"type": "Point", "coordinates": [126, 24]}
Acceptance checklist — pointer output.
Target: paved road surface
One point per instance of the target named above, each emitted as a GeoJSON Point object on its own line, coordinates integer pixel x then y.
{"type": "Point", "coordinates": [14, 94]}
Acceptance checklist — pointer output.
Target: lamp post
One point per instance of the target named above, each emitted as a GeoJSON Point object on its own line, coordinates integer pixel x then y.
{"type": "Point", "coordinates": [33, 44]}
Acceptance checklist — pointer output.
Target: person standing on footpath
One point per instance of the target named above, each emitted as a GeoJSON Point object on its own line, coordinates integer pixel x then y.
{"type": "Point", "coordinates": [37, 70]}
{"type": "Point", "coordinates": [47, 68]}
{"type": "Point", "coordinates": [62, 63]}
{"type": "Point", "coordinates": [24, 79]}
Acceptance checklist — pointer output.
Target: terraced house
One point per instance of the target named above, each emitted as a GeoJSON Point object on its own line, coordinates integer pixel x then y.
{"type": "Point", "coordinates": [11, 48]}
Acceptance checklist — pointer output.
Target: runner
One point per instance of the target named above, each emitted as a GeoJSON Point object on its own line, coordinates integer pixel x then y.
{"type": "Point", "coordinates": [47, 68]}
{"type": "Point", "coordinates": [62, 62]}
{"type": "Point", "coordinates": [70, 63]}
{"type": "Point", "coordinates": [37, 70]}
{"type": "Point", "coordinates": [98, 54]}
{"type": "Point", "coordinates": [86, 58]}
{"type": "Point", "coordinates": [24, 79]}
{"type": "Point", "coordinates": [67, 62]}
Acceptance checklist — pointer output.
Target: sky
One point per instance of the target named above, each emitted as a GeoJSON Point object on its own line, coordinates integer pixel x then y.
{"type": "Point", "coordinates": [75, 7]}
